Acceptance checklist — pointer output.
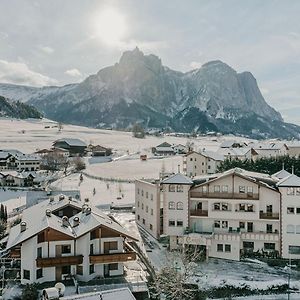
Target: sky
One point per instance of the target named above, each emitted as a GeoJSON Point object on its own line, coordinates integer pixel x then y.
{"type": "Point", "coordinates": [63, 41]}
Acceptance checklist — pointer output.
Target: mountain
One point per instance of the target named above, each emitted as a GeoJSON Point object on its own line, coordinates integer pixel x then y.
{"type": "Point", "coordinates": [16, 109]}
{"type": "Point", "coordinates": [140, 89]}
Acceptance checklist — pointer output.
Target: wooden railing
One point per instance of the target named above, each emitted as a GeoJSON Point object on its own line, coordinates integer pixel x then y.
{"type": "Point", "coordinates": [112, 258]}
{"type": "Point", "coordinates": [249, 196]}
{"type": "Point", "coordinates": [269, 215]}
{"type": "Point", "coordinates": [199, 212]}
{"type": "Point", "coordinates": [59, 261]}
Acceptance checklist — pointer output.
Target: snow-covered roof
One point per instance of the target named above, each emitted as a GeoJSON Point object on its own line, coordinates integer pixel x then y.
{"type": "Point", "coordinates": [293, 144]}
{"type": "Point", "coordinates": [268, 146]}
{"type": "Point", "coordinates": [41, 221]}
{"type": "Point", "coordinates": [230, 143]}
{"type": "Point", "coordinates": [281, 174]}
{"type": "Point", "coordinates": [290, 181]}
{"type": "Point", "coordinates": [177, 179]}
{"type": "Point", "coordinates": [72, 142]}
{"type": "Point", "coordinates": [234, 151]}
{"type": "Point", "coordinates": [120, 294]}
{"type": "Point", "coordinates": [213, 155]}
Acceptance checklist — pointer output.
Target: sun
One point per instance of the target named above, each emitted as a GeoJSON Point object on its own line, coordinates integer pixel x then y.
{"type": "Point", "coordinates": [110, 26]}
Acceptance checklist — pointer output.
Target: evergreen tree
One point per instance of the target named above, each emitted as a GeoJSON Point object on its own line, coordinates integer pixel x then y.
{"type": "Point", "coordinates": [2, 212]}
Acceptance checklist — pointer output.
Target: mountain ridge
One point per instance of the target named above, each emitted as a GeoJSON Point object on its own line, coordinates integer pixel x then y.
{"type": "Point", "coordinates": [139, 88]}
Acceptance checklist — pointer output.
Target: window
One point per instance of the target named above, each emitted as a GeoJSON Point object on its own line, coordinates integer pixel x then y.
{"type": "Point", "coordinates": [142, 205]}
{"type": "Point", "coordinates": [217, 206]}
{"type": "Point", "coordinates": [39, 252]}
{"type": "Point", "coordinates": [250, 190]}
{"type": "Point", "coordinates": [204, 189]}
{"type": "Point", "coordinates": [242, 207]}
{"type": "Point", "coordinates": [224, 224]}
{"type": "Point", "coordinates": [171, 205]}
{"type": "Point", "coordinates": [191, 159]}
{"type": "Point", "coordinates": [179, 223]}
{"type": "Point", "coordinates": [151, 227]}
{"type": "Point", "coordinates": [138, 217]}
{"type": "Point", "coordinates": [225, 188]}
{"type": "Point", "coordinates": [220, 247]}
{"type": "Point", "coordinates": [227, 248]}
{"type": "Point", "coordinates": [171, 188]}
{"type": "Point", "coordinates": [250, 207]}
{"type": "Point", "coordinates": [91, 249]}
{"type": "Point", "coordinates": [297, 191]}
{"type": "Point", "coordinates": [225, 206]}
{"type": "Point", "coordinates": [138, 203]}
{"type": "Point", "coordinates": [180, 205]}
{"type": "Point", "coordinates": [41, 237]}
{"type": "Point", "coordinates": [298, 210]}
{"type": "Point", "coordinates": [294, 249]}
{"type": "Point", "coordinates": [39, 273]}
{"type": "Point", "coordinates": [79, 270]}
{"type": "Point", "coordinates": [66, 269]}
{"type": "Point", "coordinates": [250, 226]}
{"type": "Point", "coordinates": [248, 245]}
{"type": "Point", "coordinates": [269, 246]}
{"type": "Point", "coordinates": [92, 269]}
{"type": "Point", "coordinates": [269, 228]}
{"type": "Point", "coordinates": [217, 224]}
{"type": "Point", "coordinates": [290, 229]}
{"type": "Point", "coordinates": [179, 188]}
{"type": "Point", "coordinates": [26, 274]}
{"type": "Point", "coordinates": [147, 208]}
{"type": "Point", "coordinates": [242, 225]}
{"type": "Point", "coordinates": [94, 234]}
{"type": "Point", "coordinates": [216, 188]}
{"type": "Point", "coordinates": [66, 249]}
{"type": "Point", "coordinates": [144, 221]}
{"type": "Point", "coordinates": [242, 189]}
{"type": "Point", "coordinates": [290, 210]}
{"type": "Point", "coordinates": [142, 193]}
{"type": "Point", "coordinates": [113, 267]}
{"type": "Point", "coordinates": [151, 211]}
{"type": "Point", "coordinates": [60, 213]}
{"type": "Point", "coordinates": [138, 191]}
{"type": "Point", "coordinates": [147, 195]}
{"type": "Point", "coordinates": [298, 229]}
{"type": "Point", "coordinates": [171, 223]}
{"type": "Point", "coordinates": [151, 197]}
{"type": "Point", "coordinates": [290, 191]}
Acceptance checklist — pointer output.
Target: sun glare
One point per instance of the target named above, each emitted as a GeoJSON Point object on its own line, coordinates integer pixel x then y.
{"type": "Point", "coordinates": [110, 26]}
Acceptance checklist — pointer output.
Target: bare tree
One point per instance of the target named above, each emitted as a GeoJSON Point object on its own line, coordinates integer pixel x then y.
{"type": "Point", "coordinates": [60, 126]}
{"type": "Point", "coordinates": [54, 161]}
{"type": "Point", "coordinates": [174, 279]}
{"type": "Point", "coordinates": [79, 164]}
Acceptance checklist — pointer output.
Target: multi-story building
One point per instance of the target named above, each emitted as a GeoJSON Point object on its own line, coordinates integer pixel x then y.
{"type": "Point", "coordinates": [200, 163]}
{"type": "Point", "coordinates": [228, 214]}
{"type": "Point", "coordinates": [271, 149]}
{"type": "Point", "coordinates": [59, 238]}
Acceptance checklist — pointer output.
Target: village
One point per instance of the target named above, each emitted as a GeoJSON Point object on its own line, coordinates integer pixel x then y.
{"type": "Point", "coordinates": [101, 212]}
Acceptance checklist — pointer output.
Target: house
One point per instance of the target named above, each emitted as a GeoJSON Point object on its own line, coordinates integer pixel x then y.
{"type": "Point", "coordinates": [163, 149]}
{"type": "Point", "coordinates": [199, 163]}
{"type": "Point", "coordinates": [229, 215]}
{"type": "Point", "coordinates": [293, 148]}
{"type": "Point", "coordinates": [74, 146]}
{"type": "Point", "coordinates": [67, 239]}
{"type": "Point", "coordinates": [99, 150]}
{"type": "Point", "coordinates": [271, 149]}
{"type": "Point", "coordinates": [233, 144]}
{"type": "Point", "coordinates": [59, 151]}
{"type": "Point", "coordinates": [180, 149]}
{"type": "Point", "coordinates": [238, 153]}
{"type": "Point", "coordinates": [18, 179]}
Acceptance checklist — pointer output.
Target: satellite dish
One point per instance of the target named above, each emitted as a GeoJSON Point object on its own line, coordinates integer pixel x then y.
{"type": "Point", "coordinates": [61, 288]}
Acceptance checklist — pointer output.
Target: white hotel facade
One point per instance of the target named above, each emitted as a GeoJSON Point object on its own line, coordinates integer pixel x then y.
{"type": "Point", "coordinates": [228, 214]}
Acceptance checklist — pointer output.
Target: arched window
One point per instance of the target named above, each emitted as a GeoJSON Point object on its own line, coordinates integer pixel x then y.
{"type": "Point", "coordinates": [179, 205]}
{"type": "Point", "coordinates": [171, 205]}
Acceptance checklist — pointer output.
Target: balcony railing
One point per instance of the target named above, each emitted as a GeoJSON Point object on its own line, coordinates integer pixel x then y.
{"type": "Point", "coordinates": [59, 261]}
{"type": "Point", "coordinates": [199, 212]}
{"type": "Point", "coordinates": [249, 196]}
{"type": "Point", "coordinates": [112, 257]}
{"type": "Point", "coordinates": [269, 215]}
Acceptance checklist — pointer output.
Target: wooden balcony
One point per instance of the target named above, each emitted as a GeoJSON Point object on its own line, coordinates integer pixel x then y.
{"type": "Point", "coordinates": [248, 196]}
{"type": "Point", "coordinates": [59, 261]}
{"type": "Point", "coordinates": [269, 215]}
{"type": "Point", "coordinates": [112, 257]}
{"type": "Point", "coordinates": [199, 213]}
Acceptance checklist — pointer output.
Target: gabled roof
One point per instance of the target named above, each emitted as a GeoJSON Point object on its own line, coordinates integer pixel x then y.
{"type": "Point", "coordinates": [281, 174]}
{"type": "Point", "coordinates": [290, 181]}
{"type": "Point", "coordinates": [37, 221]}
{"type": "Point", "coordinates": [72, 142]}
{"type": "Point", "coordinates": [268, 146]}
{"type": "Point", "coordinates": [177, 179]}
{"type": "Point", "coordinates": [164, 144]}
{"type": "Point", "coordinates": [213, 155]}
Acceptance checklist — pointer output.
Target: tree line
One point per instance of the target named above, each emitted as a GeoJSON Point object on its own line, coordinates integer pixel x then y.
{"type": "Point", "coordinates": [269, 165]}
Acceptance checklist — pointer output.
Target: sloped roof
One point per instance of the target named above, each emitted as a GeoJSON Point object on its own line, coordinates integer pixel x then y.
{"type": "Point", "coordinates": [281, 174]}
{"type": "Point", "coordinates": [72, 142]}
{"type": "Point", "coordinates": [177, 179]}
{"type": "Point", "coordinates": [268, 146]}
{"type": "Point", "coordinates": [213, 155]}
{"type": "Point", "coordinates": [290, 181]}
{"type": "Point", "coordinates": [37, 221]}
{"type": "Point", "coordinates": [164, 144]}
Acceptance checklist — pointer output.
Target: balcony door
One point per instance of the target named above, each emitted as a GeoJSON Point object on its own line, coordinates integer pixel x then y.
{"type": "Point", "coordinates": [58, 273]}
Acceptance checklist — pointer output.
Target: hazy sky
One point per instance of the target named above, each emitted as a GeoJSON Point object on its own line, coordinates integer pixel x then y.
{"type": "Point", "coordinates": [62, 41]}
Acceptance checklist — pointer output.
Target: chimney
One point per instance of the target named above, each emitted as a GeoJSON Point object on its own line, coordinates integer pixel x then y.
{"type": "Point", "coordinates": [48, 212]}
{"type": "Point", "coordinates": [61, 197]}
{"type": "Point", "coordinates": [65, 221]}
{"type": "Point", "coordinates": [51, 199]}
{"type": "Point", "coordinates": [23, 226]}
{"type": "Point", "coordinates": [75, 221]}
{"type": "Point", "coordinates": [84, 207]}
{"type": "Point", "coordinates": [88, 211]}
{"type": "Point", "coordinates": [86, 200]}
{"type": "Point", "coordinates": [70, 198]}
